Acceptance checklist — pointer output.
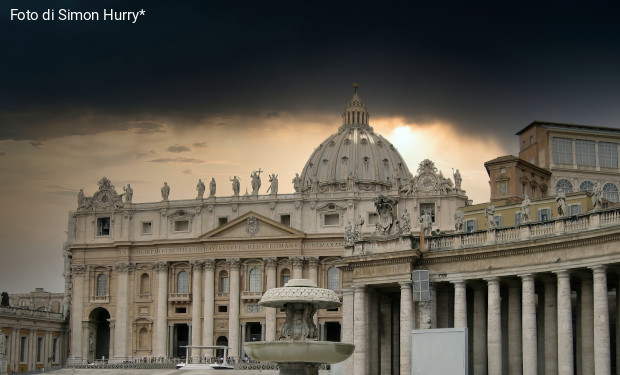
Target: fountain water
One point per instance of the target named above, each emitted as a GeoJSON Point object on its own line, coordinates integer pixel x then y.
{"type": "Point", "coordinates": [298, 352]}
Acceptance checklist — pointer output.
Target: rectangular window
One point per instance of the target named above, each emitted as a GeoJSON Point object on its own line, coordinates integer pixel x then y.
{"type": "Point", "coordinates": [222, 308]}
{"type": "Point", "coordinates": [498, 221]}
{"type": "Point", "coordinates": [470, 226]}
{"type": "Point", "coordinates": [103, 226]}
{"type": "Point", "coordinates": [23, 347]}
{"type": "Point", "coordinates": [574, 209]}
{"type": "Point", "coordinates": [224, 284]}
{"type": "Point", "coordinates": [544, 214]}
{"type": "Point", "coordinates": [180, 310]}
{"type": "Point", "coordinates": [39, 349]}
{"type": "Point", "coordinates": [585, 152]}
{"type": "Point", "coordinates": [608, 155]}
{"type": "Point", "coordinates": [517, 218]}
{"type": "Point", "coordinates": [181, 226]}
{"type": "Point", "coordinates": [430, 207]}
{"type": "Point", "coordinates": [533, 192]}
{"type": "Point", "coordinates": [331, 219]}
{"type": "Point", "coordinates": [531, 140]}
{"type": "Point", "coordinates": [562, 150]}
{"type": "Point", "coordinates": [286, 220]}
{"type": "Point", "coordinates": [147, 227]}
{"type": "Point", "coordinates": [502, 188]}
{"type": "Point", "coordinates": [222, 221]}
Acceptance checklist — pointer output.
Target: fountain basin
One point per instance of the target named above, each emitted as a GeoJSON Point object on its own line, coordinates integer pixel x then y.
{"type": "Point", "coordinates": [299, 351]}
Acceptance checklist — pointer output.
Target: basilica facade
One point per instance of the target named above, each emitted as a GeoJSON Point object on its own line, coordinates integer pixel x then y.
{"type": "Point", "coordinates": [145, 279]}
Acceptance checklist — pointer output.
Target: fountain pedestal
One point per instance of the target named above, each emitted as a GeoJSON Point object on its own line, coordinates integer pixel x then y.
{"type": "Point", "coordinates": [298, 352]}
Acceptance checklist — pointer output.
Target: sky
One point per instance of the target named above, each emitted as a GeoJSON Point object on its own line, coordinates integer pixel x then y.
{"type": "Point", "coordinates": [206, 89]}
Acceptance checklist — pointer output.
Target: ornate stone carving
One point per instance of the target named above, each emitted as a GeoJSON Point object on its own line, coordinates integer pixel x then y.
{"type": "Point", "coordinates": [160, 267]}
{"type": "Point", "coordinates": [128, 193]}
{"type": "Point", "coordinates": [313, 262]}
{"type": "Point", "coordinates": [458, 220]}
{"type": "Point", "coordinates": [234, 207]}
{"type": "Point", "coordinates": [490, 216]}
{"type": "Point", "coordinates": [388, 224]}
{"type": "Point", "coordinates": [525, 210]}
{"type": "Point", "coordinates": [560, 199]}
{"type": "Point", "coordinates": [270, 263]}
{"type": "Point", "coordinates": [256, 181]}
{"type": "Point", "coordinates": [124, 267]}
{"type": "Point", "coordinates": [78, 269]}
{"type": "Point", "coordinates": [426, 223]}
{"type": "Point", "coordinates": [359, 223]}
{"type": "Point", "coordinates": [348, 234]}
{"type": "Point", "coordinates": [209, 264]}
{"type": "Point", "coordinates": [105, 198]}
{"type": "Point", "coordinates": [212, 187]}
{"type": "Point", "coordinates": [298, 261]}
{"type": "Point", "coordinates": [597, 193]}
{"type": "Point", "coordinates": [405, 222]}
{"type": "Point", "coordinates": [196, 264]}
{"type": "Point", "coordinates": [233, 263]}
{"type": "Point", "coordinates": [458, 180]}
{"type": "Point", "coordinates": [273, 179]}
{"type": "Point", "coordinates": [297, 183]}
{"type": "Point", "coordinates": [252, 308]}
{"type": "Point", "coordinates": [200, 188]}
{"type": "Point", "coordinates": [272, 206]}
{"type": "Point", "coordinates": [252, 226]}
{"type": "Point", "coordinates": [236, 186]}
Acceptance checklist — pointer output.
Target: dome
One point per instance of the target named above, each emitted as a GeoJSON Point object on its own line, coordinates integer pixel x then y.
{"type": "Point", "coordinates": [354, 158]}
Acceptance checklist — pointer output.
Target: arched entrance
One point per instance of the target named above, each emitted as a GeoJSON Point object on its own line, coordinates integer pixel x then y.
{"type": "Point", "coordinates": [221, 341]}
{"type": "Point", "coordinates": [99, 336]}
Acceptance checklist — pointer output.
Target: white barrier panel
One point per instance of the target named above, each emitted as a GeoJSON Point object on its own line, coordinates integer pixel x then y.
{"type": "Point", "coordinates": [439, 351]}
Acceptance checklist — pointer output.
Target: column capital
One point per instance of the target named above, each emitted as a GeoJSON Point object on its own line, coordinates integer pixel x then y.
{"type": "Point", "coordinates": [313, 262]}
{"type": "Point", "coordinates": [405, 284]}
{"type": "Point", "coordinates": [234, 263]}
{"type": "Point", "coordinates": [359, 288]}
{"type": "Point", "coordinates": [492, 280]}
{"type": "Point", "coordinates": [348, 291]}
{"type": "Point", "coordinates": [209, 264]}
{"type": "Point", "coordinates": [459, 283]}
{"type": "Point", "coordinates": [562, 274]}
{"type": "Point", "coordinates": [270, 263]}
{"type": "Point", "coordinates": [124, 267]}
{"type": "Point", "coordinates": [196, 265]}
{"type": "Point", "coordinates": [527, 277]}
{"type": "Point", "coordinates": [298, 261]}
{"type": "Point", "coordinates": [78, 269]}
{"type": "Point", "coordinates": [599, 268]}
{"type": "Point", "coordinates": [160, 267]}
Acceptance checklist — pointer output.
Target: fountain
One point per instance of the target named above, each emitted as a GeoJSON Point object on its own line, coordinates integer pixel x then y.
{"type": "Point", "coordinates": [298, 352]}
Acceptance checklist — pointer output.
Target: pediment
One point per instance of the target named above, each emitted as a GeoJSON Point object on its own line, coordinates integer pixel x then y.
{"type": "Point", "coordinates": [252, 226]}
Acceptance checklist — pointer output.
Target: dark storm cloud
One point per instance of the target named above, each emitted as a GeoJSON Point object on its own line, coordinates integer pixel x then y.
{"type": "Point", "coordinates": [200, 145]}
{"type": "Point", "coordinates": [488, 67]}
{"type": "Point", "coordinates": [178, 149]}
{"type": "Point", "coordinates": [2, 153]}
{"type": "Point", "coordinates": [179, 160]}
{"type": "Point", "coordinates": [36, 145]}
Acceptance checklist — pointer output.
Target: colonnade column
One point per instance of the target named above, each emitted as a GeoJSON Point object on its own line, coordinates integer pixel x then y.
{"type": "Point", "coordinates": [565, 325]}
{"type": "Point", "coordinates": [359, 330]}
{"type": "Point", "coordinates": [551, 327]}
{"type": "Point", "coordinates": [162, 310]}
{"type": "Point", "coordinates": [406, 325]}
{"type": "Point", "coordinates": [122, 306]}
{"type": "Point", "coordinates": [347, 327]}
{"type": "Point", "coordinates": [515, 349]}
{"type": "Point", "coordinates": [76, 312]}
{"type": "Point", "coordinates": [298, 266]}
{"type": "Point", "coordinates": [460, 305]}
{"type": "Point", "coordinates": [209, 302]}
{"type": "Point", "coordinates": [602, 364]}
{"type": "Point", "coordinates": [479, 331]}
{"type": "Point", "coordinates": [313, 269]}
{"type": "Point", "coordinates": [494, 332]}
{"type": "Point", "coordinates": [270, 313]}
{"type": "Point", "coordinates": [530, 339]}
{"type": "Point", "coordinates": [196, 306]}
{"type": "Point", "coordinates": [233, 304]}
{"type": "Point", "coordinates": [587, 326]}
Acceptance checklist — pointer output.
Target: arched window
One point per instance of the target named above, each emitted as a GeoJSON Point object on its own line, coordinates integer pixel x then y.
{"type": "Point", "coordinates": [586, 186]}
{"type": "Point", "coordinates": [333, 278]}
{"type": "Point", "coordinates": [223, 282]}
{"type": "Point", "coordinates": [143, 339]}
{"type": "Point", "coordinates": [610, 192]}
{"type": "Point", "coordinates": [564, 185]}
{"type": "Point", "coordinates": [285, 276]}
{"type": "Point", "coordinates": [255, 280]}
{"type": "Point", "coordinates": [102, 285]}
{"type": "Point", "coordinates": [182, 282]}
{"type": "Point", "coordinates": [145, 284]}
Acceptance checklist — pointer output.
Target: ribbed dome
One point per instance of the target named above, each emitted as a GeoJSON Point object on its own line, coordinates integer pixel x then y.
{"type": "Point", "coordinates": [355, 158]}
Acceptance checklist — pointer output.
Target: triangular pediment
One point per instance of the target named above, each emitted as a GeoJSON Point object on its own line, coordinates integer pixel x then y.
{"type": "Point", "coordinates": [251, 226]}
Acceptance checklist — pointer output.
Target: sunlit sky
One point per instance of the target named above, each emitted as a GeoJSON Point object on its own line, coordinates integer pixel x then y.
{"type": "Point", "coordinates": [203, 89]}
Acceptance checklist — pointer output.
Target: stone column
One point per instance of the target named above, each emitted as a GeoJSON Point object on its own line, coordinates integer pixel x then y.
{"type": "Point", "coordinates": [551, 327]}
{"type": "Point", "coordinates": [298, 266]}
{"type": "Point", "coordinates": [196, 307]}
{"type": "Point", "coordinates": [209, 302]}
{"type": "Point", "coordinates": [460, 305]}
{"type": "Point", "coordinates": [530, 338]}
{"type": "Point", "coordinates": [587, 326]}
{"type": "Point", "coordinates": [313, 269]}
{"type": "Point", "coordinates": [406, 326]}
{"type": "Point", "coordinates": [385, 311]}
{"type": "Point", "coordinates": [171, 341]}
{"type": "Point", "coordinates": [161, 320]}
{"type": "Point", "coordinates": [270, 313]}
{"type": "Point", "coordinates": [565, 325]}
{"type": "Point", "coordinates": [480, 331]}
{"type": "Point", "coordinates": [433, 306]}
{"type": "Point", "coordinates": [360, 331]}
{"type": "Point", "coordinates": [494, 327]}
{"type": "Point", "coordinates": [602, 359]}
{"type": "Point", "coordinates": [515, 360]}
{"type": "Point", "coordinates": [233, 304]}
{"type": "Point", "coordinates": [121, 343]}
{"type": "Point", "coordinates": [347, 327]}
{"type": "Point", "coordinates": [77, 313]}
